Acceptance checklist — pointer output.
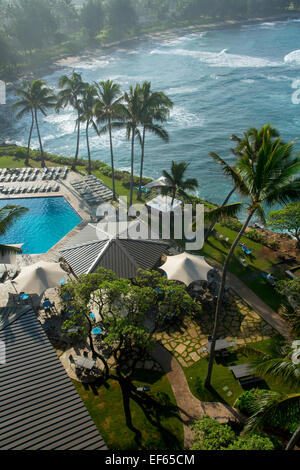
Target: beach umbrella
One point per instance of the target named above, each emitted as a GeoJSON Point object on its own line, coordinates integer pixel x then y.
{"type": "Point", "coordinates": [161, 182]}
{"type": "Point", "coordinates": [38, 277]}
{"type": "Point", "coordinates": [186, 268]}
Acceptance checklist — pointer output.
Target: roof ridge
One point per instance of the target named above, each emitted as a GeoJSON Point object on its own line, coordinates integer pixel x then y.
{"type": "Point", "coordinates": [119, 243]}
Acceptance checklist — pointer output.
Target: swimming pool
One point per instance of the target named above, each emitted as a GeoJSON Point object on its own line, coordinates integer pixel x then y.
{"type": "Point", "coordinates": [48, 220]}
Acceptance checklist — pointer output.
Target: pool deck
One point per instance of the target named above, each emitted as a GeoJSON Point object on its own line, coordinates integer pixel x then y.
{"type": "Point", "coordinates": [86, 212]}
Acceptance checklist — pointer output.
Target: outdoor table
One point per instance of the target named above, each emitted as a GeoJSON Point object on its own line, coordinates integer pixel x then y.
{"type": "Point", "coordinates": [24, 296]}
{"type": "Point", "coordinates": [220, 345]}
{"type": "Point", "coordinates": [97, 331]}
{"type": "Point", "coordinates": [84, 362]}
{"type": "Point", "coordinates": [241, 371]}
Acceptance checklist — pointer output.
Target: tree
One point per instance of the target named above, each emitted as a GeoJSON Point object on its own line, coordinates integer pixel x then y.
{"type": "Point", "coordinates": [8, 215]}
{"type": "Point", "coordinates": [122, 307]}
{"type": "Point", "coordinates": [265, 177]}
{"type": "Point", "coordinates": [209, 434]}
{"type": "Point", "coordinates": [71, 93]}
{"type": "Point", "coordinates": [286, 220]}
{"type": "Point", "coordinates": [91, 16]}
{"type": "Point", "coordinates": [178, 184]}
{"type": "Point", "coordinates": [271, 406]}
{"type": "Point", "coordinates": [132, 115]}
{"type": "Point", "coordinates": [107, 109]}
{"type": "Point", "coordinates": [252, 137]}
{"type": "Point", "coordinates": [32, 23]}
{"type": "Point", "coordinates": [35, 96]}
{"type": "Point", "coordinates": [87, 114]}
{"type": "Point", "coordinates": [121, 17]}
{"type": "Point", "coordinates": [155, 107]}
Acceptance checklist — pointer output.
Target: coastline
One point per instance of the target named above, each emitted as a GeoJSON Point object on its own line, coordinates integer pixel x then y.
{"type": "Point", "coordinates": [169, 33]}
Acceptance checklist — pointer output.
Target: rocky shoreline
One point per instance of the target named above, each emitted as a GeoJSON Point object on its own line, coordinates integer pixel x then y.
{"type": "Point", "coordinates": [171, 33]}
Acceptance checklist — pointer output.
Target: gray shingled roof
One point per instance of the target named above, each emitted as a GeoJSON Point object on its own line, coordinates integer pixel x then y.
{"type": "Point", "coordinates": [124, 257]}
{"type": "Point", "coordinates": [39, 406]}
{"type": "Point", "coordinates": [81, 257]}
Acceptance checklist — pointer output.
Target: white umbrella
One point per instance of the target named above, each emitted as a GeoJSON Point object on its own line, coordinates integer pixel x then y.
{"type": "Point", "coordinates": [186, 268]}
{"type": "Point", "coordinates": [161, 182]}
{"type": "Point", "coordinates": [38, 277]}
{"type": "Point", "coordinates": [10, 258]}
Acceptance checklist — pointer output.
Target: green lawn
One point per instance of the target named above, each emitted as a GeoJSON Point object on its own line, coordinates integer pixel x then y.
{"type": "Point", "coordinates": [149, 420]}
{"type": "Point", "coordinates": [214, 248]}
{"type": "Point", "coordinates": [258, 261]}
{"type": "Point", "coordinates": [223, 377]}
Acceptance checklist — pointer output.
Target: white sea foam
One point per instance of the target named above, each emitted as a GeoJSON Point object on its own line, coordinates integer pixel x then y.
{"type": "Point", "coordinates": [293, 57]}
{"type": "Point", "coordinates": [119, 139]}
{"type": "Point", "coordinates": [64, 122]}
{"type": "Point", "coordinates": [184, 118]}
{"type": "Point", "coordinates": [222, 58]}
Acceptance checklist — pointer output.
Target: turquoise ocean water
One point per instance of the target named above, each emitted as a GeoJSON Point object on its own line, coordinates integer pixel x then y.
{"type": "Point", "coordinates": [221, 81]}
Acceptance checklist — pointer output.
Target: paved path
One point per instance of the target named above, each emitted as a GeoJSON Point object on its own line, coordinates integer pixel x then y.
{"type": "Point", "coordinates": [190, 407]}
{"type": "Point", "coordinates": [266, 312]}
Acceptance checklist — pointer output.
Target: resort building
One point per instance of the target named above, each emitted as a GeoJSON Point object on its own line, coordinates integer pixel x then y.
{"type": "Point", "coordinates": [39, 406]}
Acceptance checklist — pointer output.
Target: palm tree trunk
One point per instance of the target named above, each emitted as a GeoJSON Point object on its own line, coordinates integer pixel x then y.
{"type": "Point", "coordinates": [212, 225]}
{"type": "Point", "coordinates": [40, 140]}
{"type": "Point", "coordinates": [220, 300]}
{"type": "Point", "coordinates": [29, 139]}
{"type": "Point", "coordinates": [294, 439]}
{"type": "Point", "coordinates": [112, 159]}
{"type": "Point", "coordinates": [74, 164]}
{"type": "Point", "coordinates": [142, 163]}
{"type": "Point", "coordinates": [173, 196]}
{"type": "Point", "coordinates": [132, 165]}
{"type": "Point", "coordinates": [88, 146]}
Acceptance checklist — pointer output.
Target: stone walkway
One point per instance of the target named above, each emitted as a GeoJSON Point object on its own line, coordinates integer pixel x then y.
{"type": "Point", "coordinates": [239, 323]}
{"type": "Point", "coordinates": [189, 406]}
{"type": "Point", "coordinates": [266, 312]}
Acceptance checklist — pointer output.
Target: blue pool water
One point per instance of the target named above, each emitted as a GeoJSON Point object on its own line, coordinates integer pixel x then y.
{"type": "Point", "coordinates": [48, 220]}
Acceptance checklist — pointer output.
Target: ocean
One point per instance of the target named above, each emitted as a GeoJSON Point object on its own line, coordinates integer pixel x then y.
{"type": "Point", "coordinates": [221, 81]}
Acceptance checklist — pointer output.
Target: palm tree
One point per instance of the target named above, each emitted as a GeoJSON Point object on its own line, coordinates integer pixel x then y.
{"type": "Point", "coordinates": [71, 94]}
{"type": "Point", "coordinates": [107, 108]}
{"type": "Point", "coordinates": [8, 214]}
{"type": "Point", "coordinates": [265, 177]}
{"type": "Point", "coordinates": [155, 107]}
{"type": "Point", "coordinates": [35, 96]}
{"type": "Point", "coordinates": [276, 363]}
{"type": "Point", "coordinates": [275, 405]}
{"type": "Point", "coordinates": [254, 137]}
{"type": "Point", "coordinates": [87, 114]}
{"type": "Point", "coordinates": [178, 184]}
{"type": "Point", "coordinates": [132, 115]}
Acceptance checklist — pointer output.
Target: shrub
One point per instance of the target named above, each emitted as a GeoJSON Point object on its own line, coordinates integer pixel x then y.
{"type": "Point", "coordinates": [211, 435]}
{"type": "Point", "coordinates": [245, 401]}
{"type": "Point", "coordinates": [256, 237]}
{"type": "Point", "coordinates": [252, 442]}
{"type": "Point", "coordinates": [233, 224]}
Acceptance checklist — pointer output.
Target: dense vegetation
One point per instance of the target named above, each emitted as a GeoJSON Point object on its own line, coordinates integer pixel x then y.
{"type": "Point", "coordinates": [32, 32]}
